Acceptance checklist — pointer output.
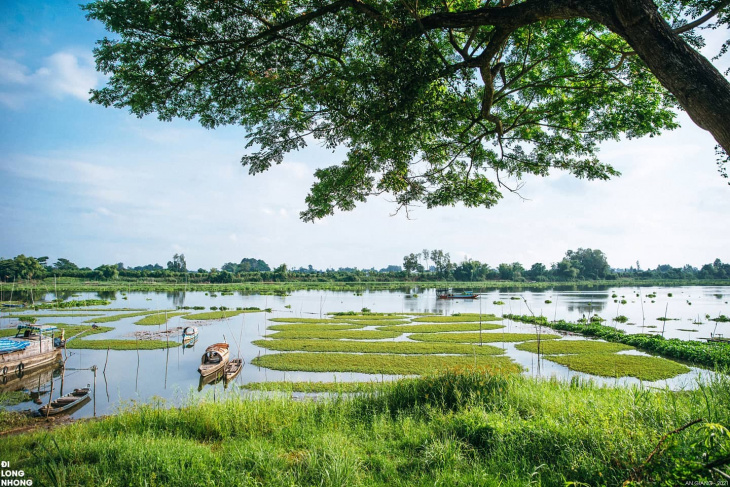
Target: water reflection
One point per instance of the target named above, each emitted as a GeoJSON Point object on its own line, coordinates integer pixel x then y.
{"type": "Point", "coordinates": [177, 298]}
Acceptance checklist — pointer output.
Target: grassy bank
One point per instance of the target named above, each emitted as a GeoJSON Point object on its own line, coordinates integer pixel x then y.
{"type": "Point", "coordinates": [458, 428]}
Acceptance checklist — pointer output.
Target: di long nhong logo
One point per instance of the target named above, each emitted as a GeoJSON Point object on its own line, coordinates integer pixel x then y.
{"type": "Point", "coordinates": [13, 478]}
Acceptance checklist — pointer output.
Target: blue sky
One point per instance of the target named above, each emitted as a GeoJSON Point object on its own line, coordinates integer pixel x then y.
{"type": "Point", "coordinates": [97, 185]}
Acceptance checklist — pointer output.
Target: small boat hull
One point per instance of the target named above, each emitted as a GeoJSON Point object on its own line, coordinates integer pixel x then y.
{"type": "Point", "coordinates": [233, 368]}
{"type": "Point", "coordinates": [458, 296]}
{"type": "Point", "coordinates": [67, 404]}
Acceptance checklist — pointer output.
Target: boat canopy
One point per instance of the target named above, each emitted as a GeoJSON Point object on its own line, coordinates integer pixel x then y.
{"type": "Point", "coordinates": [8, 345]}
{"type": "Point", "coordinates": [37, 328]}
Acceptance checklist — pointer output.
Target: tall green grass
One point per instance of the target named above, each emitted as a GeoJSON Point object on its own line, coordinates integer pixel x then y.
{"type": "Point", "coordinates": [454, 428]}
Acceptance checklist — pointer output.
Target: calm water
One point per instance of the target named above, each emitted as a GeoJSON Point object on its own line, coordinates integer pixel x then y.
{"type": "Point", "coordinates": [172, 373]}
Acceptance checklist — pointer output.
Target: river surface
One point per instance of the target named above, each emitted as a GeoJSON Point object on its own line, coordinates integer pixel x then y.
{"type": "Point", "coordinates": [123, 377]}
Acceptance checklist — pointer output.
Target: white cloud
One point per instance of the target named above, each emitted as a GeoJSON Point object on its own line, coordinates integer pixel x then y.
{"type": "Point", "coordinates": [62, 74]}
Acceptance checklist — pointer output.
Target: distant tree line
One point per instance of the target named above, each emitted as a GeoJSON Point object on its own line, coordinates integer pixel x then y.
{"type": "Point", "coordinates": [427, 265]}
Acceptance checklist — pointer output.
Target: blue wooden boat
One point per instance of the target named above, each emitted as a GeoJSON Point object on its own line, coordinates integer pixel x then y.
{"type": "Point", "coordinates": [190, 335]}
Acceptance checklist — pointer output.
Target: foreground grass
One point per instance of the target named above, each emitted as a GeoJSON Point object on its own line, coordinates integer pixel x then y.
{"type": "Point", "coordinates": [120, 344]}
{"type": "Point", "coordinates": [160, 318]}
{"type": "Point", "coordinates": [219, 315]}
{"type": "Point", "coordinates": [440, 328]}
{"type": "Point", "coordinates": [376, 347]}
{"type": "Point", "coordinates": [378, 364]}
{"type": "Point", "coordinates": [455, 428]}
{"type": "Point", "coordinates": [336, 334]}
{"type": "Point", "coordinates": [615, 365]}
{"type": "Point", "coordinates": [475, 337]}
{"type": "Point", "coordinates": [573, 347]}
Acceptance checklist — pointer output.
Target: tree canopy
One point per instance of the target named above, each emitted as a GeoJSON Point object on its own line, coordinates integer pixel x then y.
{"type": "Point", "coordinates": [437, 103]}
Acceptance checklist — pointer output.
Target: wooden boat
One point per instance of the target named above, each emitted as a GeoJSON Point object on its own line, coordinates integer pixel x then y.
{"type": "Point", "coordinates": [67, 403]}
{"type": "Point", "coordinates": [452, 295]}
{"type": "Point", "coordinates": [718, 338]}
{"type": "Point", "coordinates": [190, 334]}
{"type": "Point", "coordinates": [214, 359]}
{"type": "Point", "coordinates": [233, 368]}
{"type": "Point", "coordinates": [33, 346]}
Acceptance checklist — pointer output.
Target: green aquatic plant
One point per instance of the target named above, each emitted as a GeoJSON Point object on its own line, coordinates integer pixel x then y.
{"type": "Point", "coordinates": [618, 365]}
{"type": "Point", "coordinates": [159, 318]}
{"type": "Point", "coordinates": [487, 337]}
{"type": "Point", "coordinates": [336, 334]}
{"type": "Point", "coordinates": [72, 304]}
{"type": "Point", "coordinates": [441, 328]}
{"type": "Point", "coordinates": [379, 363]}
{"type": "Point", "coordinates": [120, 344]}
{"type": "Point", "coordinates": [716, 355]}
{"type": "Point", "coordinates": [110, 318]}
{"type": "Point", "coordinates": [307, 327]}
{"type": "Point", "coordinates": [401, 347]}
{"type": "Point", "coordinates": [218, 315]}
{"type": "Point", "coordinates": [457, 318]}
{"type": "Point", "coordinates": [553, 347]}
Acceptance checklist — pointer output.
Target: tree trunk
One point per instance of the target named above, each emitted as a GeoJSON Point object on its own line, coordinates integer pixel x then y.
{"type": "Point", "coordinates": [698, 86]}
